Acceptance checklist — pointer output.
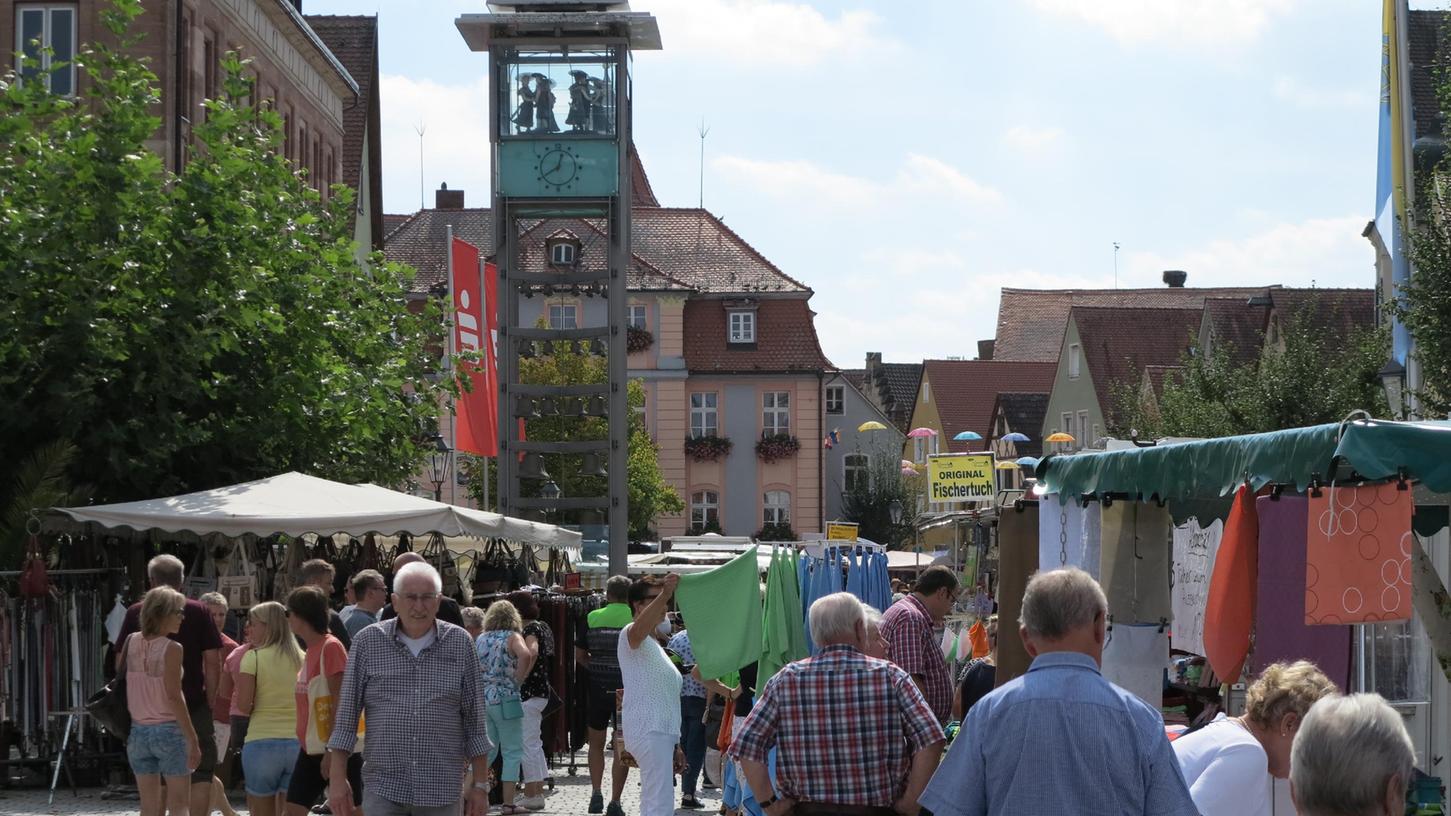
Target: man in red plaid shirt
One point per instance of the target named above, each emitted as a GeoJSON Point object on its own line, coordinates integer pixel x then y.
{"type": "Point", "coordinates": [853, 734]}
{"type": "Point", "coordinates": [908, 627]}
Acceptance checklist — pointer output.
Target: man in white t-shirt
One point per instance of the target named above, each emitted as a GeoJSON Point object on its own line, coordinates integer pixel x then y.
{"type": "Point", "coordinates": [651, 713]}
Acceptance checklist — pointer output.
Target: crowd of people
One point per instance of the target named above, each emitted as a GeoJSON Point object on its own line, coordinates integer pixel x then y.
{"type": "Point", "coordinates": [390, 708]}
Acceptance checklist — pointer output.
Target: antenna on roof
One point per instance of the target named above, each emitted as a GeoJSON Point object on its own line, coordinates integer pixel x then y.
{"type": "Point", "coordinates": [703, 131]}
{"type": "Point", "coordinates": [1115, 264]}
{"type": "Point", "coordinates": [420, 129]}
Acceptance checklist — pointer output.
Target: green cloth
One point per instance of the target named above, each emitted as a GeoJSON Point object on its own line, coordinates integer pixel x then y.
{"type": "Point", "coordinates": [722, 610]}
{"type": "Point", "coordinates": [1380, 450]}
{"type": "Point", "coordinates": [784, 638]}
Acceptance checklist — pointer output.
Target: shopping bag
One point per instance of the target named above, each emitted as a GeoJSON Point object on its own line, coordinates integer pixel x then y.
{"type": "Point", "coordinates": [239, 584]}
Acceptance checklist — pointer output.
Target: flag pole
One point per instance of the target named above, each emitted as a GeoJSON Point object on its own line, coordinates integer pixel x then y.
{"type": "Point", "coordinates": [490, 347]}
{"type": "Point", "coordinates": [447, 364]}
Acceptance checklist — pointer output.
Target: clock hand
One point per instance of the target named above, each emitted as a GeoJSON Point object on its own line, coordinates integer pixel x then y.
{"type": "Point", "coordinates": [558, 161]}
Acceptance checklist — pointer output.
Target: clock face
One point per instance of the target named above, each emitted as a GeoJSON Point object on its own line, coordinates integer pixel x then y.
{"type": "Point", "coordinates": [558, 167]}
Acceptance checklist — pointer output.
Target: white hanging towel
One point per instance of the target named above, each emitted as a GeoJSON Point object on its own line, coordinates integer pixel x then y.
{"type": "Point", "coordinates": [114, 619]}
{"type": "Point", "coordinates": [1134, 659]}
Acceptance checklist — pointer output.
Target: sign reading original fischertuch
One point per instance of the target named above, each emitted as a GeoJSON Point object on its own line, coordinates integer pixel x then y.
{"type": "Point", "coordinates": [960, 477]}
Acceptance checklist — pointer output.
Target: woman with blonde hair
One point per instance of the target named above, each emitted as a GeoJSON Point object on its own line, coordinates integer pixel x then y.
{"type": "Point", "coordinates": [506, 660]}
{"type": "Point", "coordinates": [265, 693]}
{"type": "Point", "coordinates": [1228, 763]}
{"type": "Point", "coordinates": [162, 742]}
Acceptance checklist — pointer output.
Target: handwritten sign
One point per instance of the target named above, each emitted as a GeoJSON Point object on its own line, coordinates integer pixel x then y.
{"type": "Point", "coordinates": [841, 531]}
{"type": "Point", "coordinates": [1194, 552]}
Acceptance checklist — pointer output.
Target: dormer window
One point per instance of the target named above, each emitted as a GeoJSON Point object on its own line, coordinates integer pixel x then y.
{"type": "Point", "coordinates": [742, 327]}
{"type": "Point", "coordinates": [563, 252]}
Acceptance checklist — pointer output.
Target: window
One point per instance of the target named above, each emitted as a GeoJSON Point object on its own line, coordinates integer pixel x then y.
{"type": "Point", "coordinates": [777, 509]}
{"type": "Point", "coordinates": [636, 316]}
{"type": "Point", "coordinates": [1097, 431]}
{"type": "Point", "coordinates": [210, 62]}
{"type": "Point", "coordinates": [835, 399]}
{"type": "Point", "coordinates": [704, 420]}
{"type": "Point", "coordinates": [742, 327]}
{"type": "Point", "coordinates": [46, 34]}
{"type": "Point", "coordinates": [775, 413]}
{"type": "Point", "coordinates": [855, 472]}
{"type": "Point", "coordinates": [1068, 424]}
{"type": "Point", "coordinates": [287, 133]}
{"type": "Point", "coordinates": [926, 392]}
{"type": "Point", "coordinates": [1075, 361]}
{"type": "Point", "coordinates": [563, 316]}
{"type": "Point", "coordinates": [919, 450]}
{"type": "Point", "coordinates": [1083, 429]}
{"type": "Point", "coordinates": [562, 253]}
{"type": "Point", "coordinates": [704, 509]}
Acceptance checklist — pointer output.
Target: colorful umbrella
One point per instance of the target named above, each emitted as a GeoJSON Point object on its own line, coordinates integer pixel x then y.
{"type": "Point", "coordinates": [907, 463]}
{"type": "Point", "coordinates": [919, 433]}
{"type": "Point", "coordinates": [906, 471]}
{"type": "Point", "coordinates": [870, 425]}
{"type": "Point", "coordinates": [1059, 437]}
{"type": "Point", "coordinates": [1015, 437]}
{"type": "Point", "coordinates": [1027, 461]}
{"type": "Point", "coordinates": [1006, 465]}
{"type": "Point", "coordinates": [967, 436]}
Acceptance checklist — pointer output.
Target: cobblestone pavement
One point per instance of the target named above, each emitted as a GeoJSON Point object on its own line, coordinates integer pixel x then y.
{"type": "Point", "coordinates": [571, 796]}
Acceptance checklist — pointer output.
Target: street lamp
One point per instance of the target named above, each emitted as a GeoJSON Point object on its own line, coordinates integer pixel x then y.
{"type": "Point", "coordinates": [549, 491]}
{"type": "Point", "coordinates": [1393, 379]}
{"type": "Point", "coordinates": [438, 465]}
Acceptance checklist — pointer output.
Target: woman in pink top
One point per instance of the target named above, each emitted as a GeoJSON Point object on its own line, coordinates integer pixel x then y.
{"type": "Point", "coordinates": [162, 742]}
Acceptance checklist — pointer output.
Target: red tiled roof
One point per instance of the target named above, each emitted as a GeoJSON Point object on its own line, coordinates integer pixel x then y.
{"type": "Point", "coordinates": [785, 339]}
{"type": "Point", "coordinates": [1157, 374]}
{"type": "Point", "coordinates": [1119, 343]}
{"type": "Point", "coordinates": [1336, 313]}
{"type": "Point", "coordinates": [1024, 413]}
{"type": "Point", "coordinates": [1237, 326]}
{"type": "Point", "coordinates": [641, 193]}
{"type": "Point", "coordinates": [856, 376]}
{"type": "Point", "coordinates": [673, 248]}
{"type": "Point", "coordinates": [353, 39]}
{"type": "Point", "coordinates": [392, 221]}
{"type": "Point", "coordinates": [965, 392]}
{"type": "Point", "coordinates": [1031, 321]}
{"type": "Point", "coordinates": [1424, 30]}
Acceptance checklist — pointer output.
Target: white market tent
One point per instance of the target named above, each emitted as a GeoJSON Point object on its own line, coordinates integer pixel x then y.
{"type": "Point", "coordinates": [295, 504]}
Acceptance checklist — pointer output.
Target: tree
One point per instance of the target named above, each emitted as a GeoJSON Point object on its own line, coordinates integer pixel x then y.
{"type": "Point", "coordinates": [650, 496]}
{"type": "Point", "coordinates": [868, 502]}
{"type": "Point", "coordinates": [188, 330]}
{"type": "Point", "coordinates": [1308, 378]}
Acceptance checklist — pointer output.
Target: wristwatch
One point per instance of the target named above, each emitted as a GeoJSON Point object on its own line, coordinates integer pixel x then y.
{"type": "Point", "coordinates": [483, 786]}
{"type": "Point", "coordinates": [769, 802]}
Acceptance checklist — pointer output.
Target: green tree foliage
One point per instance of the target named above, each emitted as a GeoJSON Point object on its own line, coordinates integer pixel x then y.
{"type": "Point", "coordinates": [1308, 378]}
{"type": "Point", "coordinates": [189, 330]}
{"type": "Point", "coordinates": [1426, 304]}
{"type": "Point", "coordinates": [650, 496]}
{"type": "Point", "coordinates": [869, 501]}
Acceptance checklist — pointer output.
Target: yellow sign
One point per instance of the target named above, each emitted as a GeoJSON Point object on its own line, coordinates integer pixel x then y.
{"type": "Point", "coordinates": [960, 477]}
{"type": "Point", "coordinates": [841, 531]}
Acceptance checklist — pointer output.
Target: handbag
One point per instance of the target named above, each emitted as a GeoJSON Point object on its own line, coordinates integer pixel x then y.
{"type": "Point", "coordinates": [436, 553]}
{"type": "Point", "coordinates": [320, 715]}
{"type": "Point", "coordinates": [108, 706]}
{"type": "Point", "coordinates": [495, 571]}
{"type": "Point", "coordinates": [555, 703]}
{"type": "Point", "coordinates": [34, 579]}
{"type": "Point", "coordinates": [239, 585]}
{"type": "Point", "coordinates": [286, 578]}
{"type": "Point", "coordinates": [511, 709]}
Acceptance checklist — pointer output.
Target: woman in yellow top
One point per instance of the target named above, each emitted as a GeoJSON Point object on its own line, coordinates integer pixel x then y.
{"type": "Point", "coordinates": [265, 692]}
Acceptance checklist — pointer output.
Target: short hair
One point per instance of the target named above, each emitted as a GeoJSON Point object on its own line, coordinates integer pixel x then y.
{"type": "Point", "coordinates": [872, 616]}
{"type": "Point", "coordinates": [215, 599]}
{"type": "Point", "coordinates": [1345, 753]}
{"type": "Point", "coordinates": [991, 627]}
{"type": "Point", "coordinates": [367, 579]}
{"type": "Point", "coordinates": [640, 590]}
{"type": "Point", "coordinates": [159, 604]}
{"type": "Point", "coordinates": [315, 568]}
{"type": "Point", "coordinates": [617, 589]}
{"type": "Point", "coordinates": [501, 615]}
{"type": "Point", "coordinates": [934, 579]}
{"type": "Point", "coordinates": [310, 604]}
{"type": "Point", "coordinates": [165, 570]}
{"type": "Point", "coordinates": [523, 600]}
{"type": "Point", "coordinates": [1285, 688]}
{"type": "Point", "coordinates": [473, 617]}
{"type": "Point", "coordinates": [417, 568]}
{"type": "Point", "coordinates": [834, 618]}
{"type": "Point", "coordinates": [1061, 601]}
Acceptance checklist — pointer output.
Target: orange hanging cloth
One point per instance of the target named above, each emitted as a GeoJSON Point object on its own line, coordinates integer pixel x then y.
{"type": "Point", "coordinates": [977, 634]}
{"type": "Point", "coordinates": [723, 740]}
{"type": "Point", "coordinates": [1230, 609]}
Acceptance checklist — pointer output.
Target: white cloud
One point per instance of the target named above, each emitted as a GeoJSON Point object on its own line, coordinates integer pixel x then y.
{"type": "Point", "coordinates": [812, 184]}
{"type": "Point", "coordinates": [1034, 142]}
{"type": "Point", "coordinates": [455, 140]}
{"type": "Point", "coordinates": [1173, 22]}
{"type": "Point", "coordinates": [764, 33]}
{"type": "Point", "coordinates": [1326, 252]}
{"type": "Point", "coordinates": [1289, 89]}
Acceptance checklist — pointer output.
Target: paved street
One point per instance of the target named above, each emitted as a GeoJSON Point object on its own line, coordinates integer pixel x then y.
{"type": "Point", "coordinates": [571, 796]}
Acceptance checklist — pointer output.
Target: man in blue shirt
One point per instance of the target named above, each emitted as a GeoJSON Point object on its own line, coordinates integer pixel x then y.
{"type": "Point", "coordinates": [1061, 739]}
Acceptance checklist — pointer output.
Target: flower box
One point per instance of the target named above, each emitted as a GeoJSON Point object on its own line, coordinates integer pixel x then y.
{"type": "Point", "coordinates": [776, 447]}
{"type": "Point", "coordinates": [707, 448]}
{"type": "Point", "coordinates": [638, 339]}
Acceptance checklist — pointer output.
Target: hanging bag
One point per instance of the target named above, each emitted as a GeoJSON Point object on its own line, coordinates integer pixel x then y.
{"type": "Point", "coordinates": [492, 576]}
{"type": "Point", "coordinates": [202, 578]}
{"type": "Point", "coordinates": [320, 704]}
{"type": "Point", "coordinates": [286, 578]}
{"type": "Point", "coordinates": [239, 585]}
{"type": "Point", "coordinates": [34, 579]}
{"type": "Point", "coordinates": [524, 566]}
{"type": "Point", "coordinates": [108, 706]}
{"type": "Point", "coordinates": [436, 553]}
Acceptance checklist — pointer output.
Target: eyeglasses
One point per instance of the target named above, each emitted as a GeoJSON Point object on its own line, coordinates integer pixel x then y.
{"type": "Point", "coordinates": [418, 597]}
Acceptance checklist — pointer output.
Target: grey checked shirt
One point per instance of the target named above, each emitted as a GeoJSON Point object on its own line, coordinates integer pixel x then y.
{"type": "Point", "coordinates": [424, 715]}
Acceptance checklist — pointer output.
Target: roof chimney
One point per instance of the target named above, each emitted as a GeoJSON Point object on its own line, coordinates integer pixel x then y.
{"type": "Point", "coordinates": [1173, 278]}
{"type": "Point", "coordinates": [446, 199]}
{"type": "Point", "coordinates": [985, 349]}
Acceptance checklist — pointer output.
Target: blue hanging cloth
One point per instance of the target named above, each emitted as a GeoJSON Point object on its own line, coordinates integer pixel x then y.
{"type": "Point", "coordinates": [854, 578]}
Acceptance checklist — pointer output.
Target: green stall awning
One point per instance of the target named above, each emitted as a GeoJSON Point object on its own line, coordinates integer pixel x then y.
{"type": "Point", "coordinates": [1376, 449]}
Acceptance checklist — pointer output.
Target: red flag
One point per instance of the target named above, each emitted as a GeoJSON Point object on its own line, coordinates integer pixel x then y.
{"type": "Point", "coordinates": [476, 412]}
{"type": "Point", "coordinates": [1229, 612]}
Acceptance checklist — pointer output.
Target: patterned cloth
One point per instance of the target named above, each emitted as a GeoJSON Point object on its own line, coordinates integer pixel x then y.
{"type": "Point", "coordinates": [537, 683]}
{"type": "Point", "coordinates": [1059, 737]}
{"type": "Point", "coordinates": [680, 645]}
{"type": "Point", "coordinates": [844, 726]}
{"type": "Point", "coordinates": [499, 665]}
{"type": "Point", "coordinates": [425, 714]}
{"type": "Point", "coordinates": [907, 627]}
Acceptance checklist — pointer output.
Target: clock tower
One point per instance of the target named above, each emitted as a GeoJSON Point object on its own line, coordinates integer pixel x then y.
{"type": "Point", "coordinates": [559, 113]}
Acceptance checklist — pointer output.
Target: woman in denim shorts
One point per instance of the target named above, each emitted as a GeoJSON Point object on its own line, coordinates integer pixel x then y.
{"type": "Point", "coordinates": [265, 694]}
{"type": "Point", "coordinates": [162, 741]}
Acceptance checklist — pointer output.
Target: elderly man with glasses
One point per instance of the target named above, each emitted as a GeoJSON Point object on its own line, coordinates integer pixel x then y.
{"type": "Point", "coordinates": [909, 625]}
{"type": "Point", "coordinates": [416, 683]}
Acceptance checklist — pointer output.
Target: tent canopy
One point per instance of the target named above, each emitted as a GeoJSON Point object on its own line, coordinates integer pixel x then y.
{"type": "Point", "coordinates": [1376, 449]}
{"type": "Point", "coordinates": [294, 504]}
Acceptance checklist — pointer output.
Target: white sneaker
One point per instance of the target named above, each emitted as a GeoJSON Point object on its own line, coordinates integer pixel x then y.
{"type": "Point", "coordinates": [530, 802]}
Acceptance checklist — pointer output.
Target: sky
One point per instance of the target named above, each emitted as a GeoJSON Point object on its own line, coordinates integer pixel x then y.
{"type": "Point", "coordinates": [908, 160]}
